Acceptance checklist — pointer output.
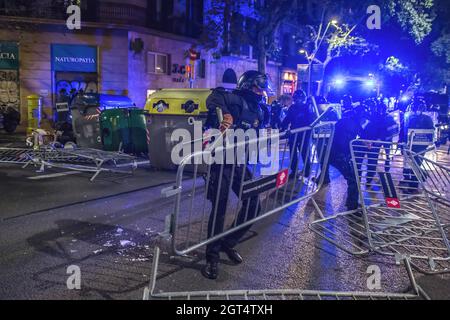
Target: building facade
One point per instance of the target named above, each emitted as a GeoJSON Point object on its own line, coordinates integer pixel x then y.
{"type": "Point", "coordinates": [126, 49]}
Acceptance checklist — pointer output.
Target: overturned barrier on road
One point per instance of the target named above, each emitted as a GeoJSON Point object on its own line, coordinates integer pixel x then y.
{"type": "Point", "coordinates": [78, 159]}
{"type": "Point", "coordinates": [405, 207]}
{"type": "Point", "coordinates": [229, 198]}
{"type": "Point", "coordinates": [416, 292]}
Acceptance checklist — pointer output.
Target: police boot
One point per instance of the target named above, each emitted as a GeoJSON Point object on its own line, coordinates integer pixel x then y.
{"type": "Point", "coordinates": [233, 255]}
{"type": "Point", "coordinates": [211, 270]}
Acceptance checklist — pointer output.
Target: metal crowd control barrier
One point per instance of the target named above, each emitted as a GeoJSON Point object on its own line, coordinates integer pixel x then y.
{"type": "Point", "coordinates": [417, 292]}
{"type": "Point", "coordinates": [238, 194]}
{"type": "Point", "coordinates": [80, 159]}
{"type": "Point", "coordinates": [14, 156]}
{"type": "Point", "coordinates": [261, 177]}
{"type": "Point", "coordinates": [230, 198]}
{"type": "Point", "coordinates": [405, 211]}
{"type": "Point", "coordinates": [441, 155]}
{"type": "Point", "coordinates": [419, 137]}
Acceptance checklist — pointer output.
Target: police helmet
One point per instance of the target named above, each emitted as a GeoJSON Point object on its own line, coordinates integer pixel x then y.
{"type": "Point", "coordinates": [252, 80]}
{"type": "Point", "coordinates": [299, 96]}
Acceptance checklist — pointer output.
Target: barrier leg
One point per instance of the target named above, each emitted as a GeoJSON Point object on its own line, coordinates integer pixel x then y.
{"type": "Point", "coordinates": [148, 291]}
{"type": "Point", "coordinates": [317, 208]}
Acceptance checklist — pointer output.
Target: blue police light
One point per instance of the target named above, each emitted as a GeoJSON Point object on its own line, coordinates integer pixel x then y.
{"type": "Point", "coordinates": [339, 82]}
{"type": "Point", "coordinates": [370, 84]}
{"type": "Point", "coordinates": [404, 99]}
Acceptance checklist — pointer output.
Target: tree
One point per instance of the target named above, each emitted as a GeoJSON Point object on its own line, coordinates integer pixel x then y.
{"type": "Point", "coordinates": [395, 75]}
{"type": "Point", "coordinates": [262, 22]}
{"type": "Point", "coordinates": [437, 69]}
{"type": "Point", "coordinates": [414, 16]}
{"type": "Point", "coordinates": [340, 41]}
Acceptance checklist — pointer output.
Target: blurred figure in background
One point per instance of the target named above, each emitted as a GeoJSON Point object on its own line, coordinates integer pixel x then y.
{"type": "Point", "coordinates": [347, 104]}
{"type": "Point", "coordinates": [278, 111]}
{"type": "Point", "coordinates": [381, 127]}
{"type": "Point", "coordinates": [299, 116]}
{"type": "Point", "coordinates": [414, 119]}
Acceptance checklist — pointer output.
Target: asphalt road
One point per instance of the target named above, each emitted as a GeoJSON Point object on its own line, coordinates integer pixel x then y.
{"type": "Point", "coordinates": [109, 228]}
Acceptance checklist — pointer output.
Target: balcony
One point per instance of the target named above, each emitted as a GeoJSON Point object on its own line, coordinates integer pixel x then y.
{"type": "Point", "coordinates": [91, 11]}
{"type": "Point", "coordinates": [106, 12]}
{"type": "Point", "coordinates": [124, 14]}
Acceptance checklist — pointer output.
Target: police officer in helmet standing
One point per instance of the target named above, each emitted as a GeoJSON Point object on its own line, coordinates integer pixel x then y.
{"type": "Point", "coordinates": [241, 109]}
{"type": "Point", "coordinates": [347, 103]}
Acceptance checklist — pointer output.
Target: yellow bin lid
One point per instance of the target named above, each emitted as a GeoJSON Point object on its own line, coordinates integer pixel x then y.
{"type": "Point", "coordinates": [183, 102]}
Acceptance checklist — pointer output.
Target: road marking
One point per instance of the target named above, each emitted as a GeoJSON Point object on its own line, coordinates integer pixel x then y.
{"type": "Point", "coordinates": [54, 175]}
{"type": "Point", "coordinates": [6, 145]}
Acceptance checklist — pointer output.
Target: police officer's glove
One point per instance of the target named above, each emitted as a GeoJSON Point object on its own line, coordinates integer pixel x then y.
{"type": "Point", "coordinates": [227, 123]}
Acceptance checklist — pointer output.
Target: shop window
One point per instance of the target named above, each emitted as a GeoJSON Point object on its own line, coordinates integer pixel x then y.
{"type": "Point", "coordinates": [157, 63]}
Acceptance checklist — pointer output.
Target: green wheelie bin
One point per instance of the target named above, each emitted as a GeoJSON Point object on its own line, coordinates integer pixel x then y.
{"type": "Point", "coordinates": [115, 130]}
{"type": "Point", "coordinates": [124, 130]}
{"type": "Point", "coordinates": [138, 131]}
{"type": "Point", "coordinates": [87, 110]}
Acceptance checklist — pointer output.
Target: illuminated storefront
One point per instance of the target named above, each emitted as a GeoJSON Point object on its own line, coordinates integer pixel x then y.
{"type": "Point", "coordinates": [75, 70]}
{"type": "Point", "coordinates": [289, 82]}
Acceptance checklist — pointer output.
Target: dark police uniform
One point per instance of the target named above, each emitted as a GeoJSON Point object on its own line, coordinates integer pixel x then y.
{"type": "Point", "coordinates": [299, 116]}
{"type": "Point", "coordinates": [247, 112]}
{"type": "Point", "coordinates": [347, 129]}
{"type": "Point", "coordinates": [381, 127]}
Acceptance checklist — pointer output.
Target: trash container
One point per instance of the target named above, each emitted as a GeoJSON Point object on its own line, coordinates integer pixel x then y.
{"type": "Point", "coordinates": [169, 110]}
{"type": "Point", "coordinates": [124, 130]}
{"type": "Point", "coordinates": [138, 131]}
{"type": "Point", "coordinates": [86, 110]}
{"type": "Point", "coordinates": [115, 130]}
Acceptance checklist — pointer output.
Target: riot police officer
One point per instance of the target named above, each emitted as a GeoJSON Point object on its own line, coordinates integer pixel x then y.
{"type": "Point", "coordinates": [349, 128]}
{"type": "Point", "coordinates": [414, 119]}
{"type": "Point", "coordinates": [299, 116]}
{"type": "Point", "coordinates": [241, 109]}
{"type": "Point", "coordinates": [381, 127]}
{"type": "Point", "coordinates": [347, 103]}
